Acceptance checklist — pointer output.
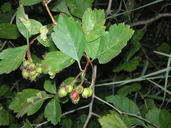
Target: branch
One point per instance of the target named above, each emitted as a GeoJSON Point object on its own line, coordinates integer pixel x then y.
{"type": "Point", "coordinates": [160, 15]}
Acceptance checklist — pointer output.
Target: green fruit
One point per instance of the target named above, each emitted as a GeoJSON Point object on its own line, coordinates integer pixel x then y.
{"type": "Point", "coordinates": [76, 100]}
{"type": "Point", "coordinates": [62, 92]}
{"type": "Point", "coordinates": [25, 74]}
{"type": "Point", "coordinates": [74, 95]}
{"type": "Point", "coordinates": [39, 69]}
{"type": "Point", "coordinates": [32, 67]}
{"type": "Point", "coordinates": [90, 92]}
{"type": "Point", "coordinates": [69, 88]}
{"type": "Point", "coordinates": [85, 93]}
{"type": "Point", "coordinates": [32, 73]}
{"type": "Point", "coordinates": [79, 89]}
{"type": "Point", "coordinates": [32, 78]}
{"type": "Point", "coordinates": [26, 63]}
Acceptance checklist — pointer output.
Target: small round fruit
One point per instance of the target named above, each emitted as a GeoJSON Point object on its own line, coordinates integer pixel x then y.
{"type": "Point", "coordinates": [32, 73]}
{"type": "Point", "coordinates": [76, 100]}
{"type": "Point", "coordinates": [62, 92]}
{"type": "Point", "coordinates": [25, 74]}
{"type": "Point", "coordinates": [74, 95]}
{"type": "Point", "coordinates": [90, 92]}
{"type": "Point", "coordinates": [85, 93]}
{"type": "Point", "coordinates": [69, 88]}
{"type": "Point", "coordinates": [79, 89]}
{"type": "Point", "coordinates": [32, 78]}
{"type": "Point", "coordinates": [26, 63]}
{"type": "Point", "coordinates": [32, 66]}
{"type": "Point", "coordinates": [39, 69]}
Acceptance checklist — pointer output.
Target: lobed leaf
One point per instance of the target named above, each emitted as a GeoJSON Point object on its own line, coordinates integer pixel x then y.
{"type": "Point", "coordinates": [11, 58]}
{"type": "Point", "coordinates": [55, 61]}
{"type": "Point", "coordinates": [53, 111]}
{"type": "Point", "coordinates": [69, 38]}
{"type": "Point", "coordinates": [111, 121]}
{"type": "Point", "coordinates": [165, 119]}
{"type": "Point", "coordinates": [123, 104]}
{"type": "Point", "coordinates": [4, 118]}
{"type": "Point", "coordinates": [112, 42]}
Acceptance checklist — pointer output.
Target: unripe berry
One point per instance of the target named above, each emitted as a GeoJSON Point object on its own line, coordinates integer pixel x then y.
{"type": "Point", "coordinates": [69, 88]}
{"type": "Point", "coordinates": [32, 66]}
{"type": "Point", "coordinates": [79, 89]}
{"type": "Point", "coordinates": [90, 92]}
{"type": "Point", "coordinates": [74, 95]}
{"type": "Point", "coordinates": [62, 92]}
{"type": "Point", "coordinates": [26, 63]}
{"type": "Point", "coordinates": [85, 93]}
{"type": "Point", "coordinates": [25, 74]}
{"type": "Point", "coordinates": [32, 78]}
{"type": "Point", "coordinates": [39, 69]}
{"type": "Point", "coordinates": [32, 73]}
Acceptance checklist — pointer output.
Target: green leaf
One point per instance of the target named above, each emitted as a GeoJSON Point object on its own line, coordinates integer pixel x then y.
{"type": "Point", "coordinates": [124, 91]}
{"type": "Point", "coordinates": [164, 48]}
{"type": "Point", "coordinates": [153, 116]}
{"type": "Point", "coordinates": [6, 7]}
{"type": "Point", "coordinates": [30, 2]}
{"type": "Point", "coordinates": [69, 38]}
{"type": "Point", "coordinates": [113, 41]}
{"type": "Point", "coordinates": [27, 124]}
{"type": "Point", "coordinates": [36, 27]}
{"type": "Point", "coordinates": [3, 89]}
{"type": "Point", "coordinates": [55, 61]}
{"type": "Point", "coordinates": [11, 58]}
{"type": "Point", "coordinates": [133, 46]}
{"type": "Point", "coordinates": [53, 111]}
{"type": "Point", "coordinates": [165, 119]}
{"type": "Point", "coordinates": [50, 86]}
{"type": "Point", "coordinates": [47, 42]}
{"type": "Point", "coordinates": [66, 123]}
{"type": "Point", "coordinates": [59, 6]}
{"type": "Point", "coordinates": [9, 31]}
{"type": "Point", "coordinates": [4, 118]}
{"type": "Point", "coordinates": [111, 121]}
{"type": "Point", "coordinates": [77, 7]}
{"type": "Point", "coordinates": [123, 104]}
{"type": "Point", "coordinates": [43, 32]}
{"type": "Point", "coordinates": [93, 27]}
{"type": "Point", "coordinates": [28, 101]}
{"type": "Point", "coordinates": [129, 65]}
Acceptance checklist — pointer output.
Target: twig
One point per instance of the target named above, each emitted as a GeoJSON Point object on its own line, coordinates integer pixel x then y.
{"type": "Point", "coordinates": [161, 15]}
{"type": "Point", "coordinates": [108, 11]}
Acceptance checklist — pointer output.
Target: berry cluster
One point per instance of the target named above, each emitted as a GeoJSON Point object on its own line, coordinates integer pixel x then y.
{"type": "Point", "coordinates": [30, 70]}
{"type": "Point", "coordinates": [75, 93]}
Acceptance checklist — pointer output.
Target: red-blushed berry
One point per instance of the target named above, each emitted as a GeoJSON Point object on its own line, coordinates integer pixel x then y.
{"type": "Point", "coordinates": [39, 69]}
{"type": "Point", "coordinates": [26, 63]}
{"type": "Point", "coordinates": [32, 67]}
{"type": "Point", "coordinates": [62, 92]}
{"type": "Point", "coordinates": [69, 88]}
{"type": "Point", "coordinates": [79, 89]}
{"type": "Point", "coordinates": [85, 93]}
{"type": "Point", "coordinates": [74, 95]}
{"type": "Point", "coordinates": [76, 100]}
{"type": "Point", "coordinates": [25, 74]}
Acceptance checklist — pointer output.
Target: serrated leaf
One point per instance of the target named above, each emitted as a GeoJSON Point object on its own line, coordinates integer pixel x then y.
{"type": "Point", "coordinates": [124, 91]}
{"type": "Point", "coordinates": [27, 101]}
{"type": "Point", "coordinates": [59, 6]}
{"type": "Point", "coordinates": [93, 27]}
{"type": "Point", "coordinates": [112, 42]}
{"type": "Point", "coordinates": [27, 124]}
{"type": "Point", "coordinates": [9, 31]}
{"type": "Point", "coordinates": [123, 104]}
{"type": "Point", "coordinates": [133, 45]}
{"type": "Point", "coordinates": [77, 7]}
{"type": "Point", "coordinates": [6, 7]}
{"type": "Point", "coordinates": [165, 119]}
{"type": "Point", "coordinates": [69, 38]}
{"type": "Point", "coordinates": [47, 42]}
{"type": "Point", "coordinates": [4, 118]}
{"type": "Point", "coordinates": [53, 111]}
{"type": "Point", "coordinates": [30, 2]}
{"type": "Point", "coordinates": [11, 58]}
{"type": "Point", "coordinates": [50, 86]}
{"type": "Point", "coordinates": [3, 89]}
{"type": "Point", "coordinates": [111, 121]}
{"type": "Point", "coordinates": [153, 116]}
{"type": "Point", "coordinates": [55, 61]}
